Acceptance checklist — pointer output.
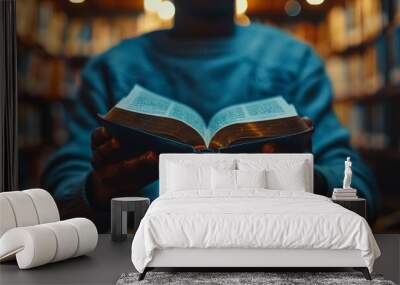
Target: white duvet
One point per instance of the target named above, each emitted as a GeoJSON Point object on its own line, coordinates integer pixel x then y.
{"type": "Point", "coordinates": [250, 219]}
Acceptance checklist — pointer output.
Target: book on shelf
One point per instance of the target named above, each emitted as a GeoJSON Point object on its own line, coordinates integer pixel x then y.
{"type": "Point", "coordinates": [29, 126]}
{"type": "Point", "coordinates": [395, 49]}
{"type": "Point", "coordinates": [363, 72]}
{"type": "Point", "coordinates": [397, 11]}
{"type": "Point", "coordinates": [356, 22]}
{"type": "Point", "coordinates": [47, 24]}
{"type": "Point", "coordinates": [149, 121]}
{"type": "Point", "coordinates": [369, 124]}
{"type": "Point", "coordinates": [40, 127]}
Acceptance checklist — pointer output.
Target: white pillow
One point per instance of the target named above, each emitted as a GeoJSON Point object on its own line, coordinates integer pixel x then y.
{"type": "Point", "coordinates": [291, 179]}
{"type": "Point", "coordinates": [223, 179]}
{"type": "Point", "coordinates": [281, 174]}
{"type": "Point", "coordinates": [183, 178]}
{"type": "Point", "coordinates": [184, 174]}
{"type": "Point", "coordinates": [226, 179]}
{"type": "Point", "coordinates": [251, 178]}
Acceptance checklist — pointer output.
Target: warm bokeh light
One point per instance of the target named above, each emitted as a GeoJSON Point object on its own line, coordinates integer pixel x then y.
{"type": "Point", "coordinates": [242, 20]}
{"type": "Point", "coordinates": [241, 6]}
{"type": "Point", "coordinates": [152, 5]}
{"type": "Point", "coordinates": [292, 8]}
{"type": "Point", "coordinates": [315, 2]}
{"type": "Point", "coordinates": [76, 1]}
{"type": "Point", "coordinates": [166, 10]}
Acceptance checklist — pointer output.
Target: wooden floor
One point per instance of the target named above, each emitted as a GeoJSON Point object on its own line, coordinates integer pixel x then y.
{"type": "Point", "coordinates": [389, 262]}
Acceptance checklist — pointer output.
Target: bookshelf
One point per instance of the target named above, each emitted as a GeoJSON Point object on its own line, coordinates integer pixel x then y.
{"type": "Point", "coordinates": [359, 40]}
{"type": "Point", "coordinates": [365, 75]}
{"type": "Point", "coordinates": [55, 40]}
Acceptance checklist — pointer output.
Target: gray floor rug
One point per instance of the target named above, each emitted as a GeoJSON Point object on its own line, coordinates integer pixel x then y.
{"type": "Point", "coordinates": [232, 278]}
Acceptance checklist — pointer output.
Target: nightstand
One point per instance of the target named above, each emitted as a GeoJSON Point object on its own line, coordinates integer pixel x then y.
{"type": "Point", "coordinates": [357, 205]}
{"type": "Point", "coordinates": [119, 215]}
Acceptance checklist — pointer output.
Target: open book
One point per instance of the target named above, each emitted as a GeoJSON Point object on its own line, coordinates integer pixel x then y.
{"type": "Point", "coordinates": [146, 119]}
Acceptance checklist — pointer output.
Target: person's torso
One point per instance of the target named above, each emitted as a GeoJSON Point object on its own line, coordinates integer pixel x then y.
{"type": "Point", "coordinates": [208, 75]}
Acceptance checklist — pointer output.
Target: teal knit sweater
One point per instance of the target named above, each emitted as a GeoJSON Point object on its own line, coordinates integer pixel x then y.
{"type": "Point", "coordinates": [256, 62]}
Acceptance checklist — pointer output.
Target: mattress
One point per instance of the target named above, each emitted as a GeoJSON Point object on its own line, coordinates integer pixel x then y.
{"type": "Point", "coordinates": [251, 219]}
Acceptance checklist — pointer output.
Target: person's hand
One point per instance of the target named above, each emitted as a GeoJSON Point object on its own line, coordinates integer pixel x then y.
{"type": "Point", "coordinates": [308, 121]}
{"type": "Point", "coordinates": [111, 176]}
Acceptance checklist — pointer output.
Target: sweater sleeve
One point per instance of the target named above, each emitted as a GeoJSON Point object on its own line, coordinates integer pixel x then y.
{"type": "Point", "coordinates": [312, 96]}
{"type": "Point", "coordinates": [67, 170]}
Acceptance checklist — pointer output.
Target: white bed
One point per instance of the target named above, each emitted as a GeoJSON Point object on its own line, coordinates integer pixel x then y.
{"type": "Point", "coordinates": [250, 227]}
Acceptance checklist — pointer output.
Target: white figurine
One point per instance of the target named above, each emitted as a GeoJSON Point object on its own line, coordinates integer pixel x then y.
{"type": "Point", "coordinates": [347, 174]}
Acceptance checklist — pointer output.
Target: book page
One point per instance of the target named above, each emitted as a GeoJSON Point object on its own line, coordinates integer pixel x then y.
{"type": "Point", "coordinates": [141, 100]}
{"type": "Point", "coordinates": [260, 110]}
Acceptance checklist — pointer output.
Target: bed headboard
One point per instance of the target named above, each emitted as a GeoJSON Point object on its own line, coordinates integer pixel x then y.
{"type": "Point", "coordinates": [215, 157]}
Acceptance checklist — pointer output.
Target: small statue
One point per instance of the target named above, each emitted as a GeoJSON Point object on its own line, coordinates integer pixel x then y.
{"type": "Point", "coordinates": [347, 174]}
{"type": "Point", "coordinates": [347, 192]}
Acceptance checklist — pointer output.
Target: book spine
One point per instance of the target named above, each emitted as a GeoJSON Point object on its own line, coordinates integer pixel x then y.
{"type": "Point", "coordinates": [345, 189]}
{"type": "Point", "coordinates": [343, 198]}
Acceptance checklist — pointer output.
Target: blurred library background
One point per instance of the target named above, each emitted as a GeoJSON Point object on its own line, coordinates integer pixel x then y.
{"type": "Point", "coordinates": [359, 41]}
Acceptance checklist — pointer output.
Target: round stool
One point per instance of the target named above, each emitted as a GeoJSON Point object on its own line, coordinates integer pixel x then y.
{"type": "Point", "coordinates": [119, 209]}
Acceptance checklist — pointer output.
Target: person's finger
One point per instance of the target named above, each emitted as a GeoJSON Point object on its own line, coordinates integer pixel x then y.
{"type": "Point", "coordinates": [99, 136]}
{"type": "Point", "coordinates": [101, 155]}
{"type": "Point", "coordinates": [144, 167]}
{"type": "Point", "coordinates": [308, 121]}
{"type": "Point", "coordinates": [268, 148]}
{"type": "Point", "coordinates": [124, 178]}
{"type": "Point", "coordinates": [106, 150]}
{"type": "Point", "coordinates": [131, 182]}
{"type": "Point", "coordinates": [125, 182]}
{"type": "Point", "coordinates": [149, 158]}
{"type": "Point", "coordinates": [129, 166]}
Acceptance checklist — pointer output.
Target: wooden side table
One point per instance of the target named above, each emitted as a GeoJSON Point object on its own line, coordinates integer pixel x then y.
{"type": "Point", "coordinates": [119, 218]}
{"type": "Point", "coordinates": [357, 205]}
